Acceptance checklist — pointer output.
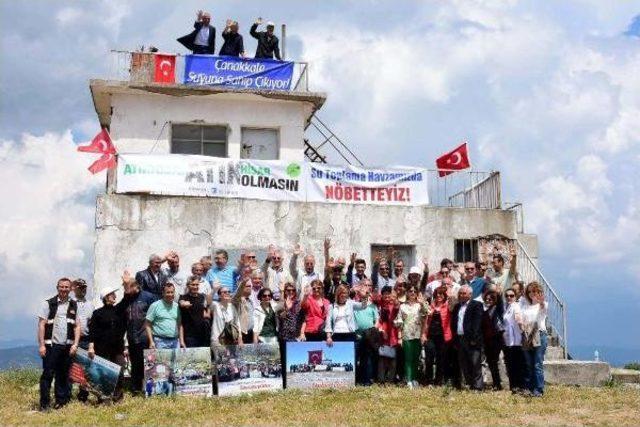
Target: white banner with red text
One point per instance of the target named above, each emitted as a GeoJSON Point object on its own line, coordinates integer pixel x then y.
{"type": "Point", "coordinates": [275, 180]}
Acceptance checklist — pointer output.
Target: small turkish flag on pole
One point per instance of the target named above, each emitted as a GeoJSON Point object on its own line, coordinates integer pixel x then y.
{"type": "Point", "coordinates": [454, 160]}
{"type": "Point", "coordinates": [165, 68]}
{"type": "Point", "coordinates": [101, 144]}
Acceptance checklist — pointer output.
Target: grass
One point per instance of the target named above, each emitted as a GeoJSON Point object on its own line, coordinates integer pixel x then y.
{"type": "Point", "coordinates": [373, 406]}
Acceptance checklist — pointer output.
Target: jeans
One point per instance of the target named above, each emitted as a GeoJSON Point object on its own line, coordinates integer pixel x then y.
{"type": "Point", "coordinates": [534, 372]}
{"type": "Point", "coordinates": [164, 343]}
{"type": "Point", "coordinates": [56, 363]}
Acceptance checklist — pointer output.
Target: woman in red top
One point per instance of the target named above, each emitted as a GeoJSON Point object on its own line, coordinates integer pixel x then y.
{"type": "Point", "coordinates": [436, 336]}
{"type": "Point", "coordinates": [389, 307]}
{"type": "Point", "coordinates": [315, 308]}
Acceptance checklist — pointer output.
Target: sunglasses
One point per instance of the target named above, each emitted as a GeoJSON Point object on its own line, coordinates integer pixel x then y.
{"type": "Point", "coordinates": [251, 257]}
{"type": "Point", "coordinates": [224, 292]}
{"type": "Point", "coordinates": [510, 295]}
{"type": "Point", "coordinates": [277, 257]}
{"type": "Point", "coordinates": [384, 268]}
{"type": "Point", "coordinates": [267, 296]}
{"type": "Point", "coordinates": [469, 268]}
{"type": "Point", "coordinates": [289, 290]}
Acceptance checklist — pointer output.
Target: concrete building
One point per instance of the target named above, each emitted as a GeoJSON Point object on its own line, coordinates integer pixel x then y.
{"type": "Point", "coordinates": [465, 218]}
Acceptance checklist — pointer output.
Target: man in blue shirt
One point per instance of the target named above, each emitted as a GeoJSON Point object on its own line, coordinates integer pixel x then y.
{"type": "Point", "coordinates": [471, 278]}
{"type": "Point", "coordinates": [222, 274]}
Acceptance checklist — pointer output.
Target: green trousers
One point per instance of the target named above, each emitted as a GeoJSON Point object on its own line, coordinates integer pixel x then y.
{"type": "Point", "coordinates": [411, 350]}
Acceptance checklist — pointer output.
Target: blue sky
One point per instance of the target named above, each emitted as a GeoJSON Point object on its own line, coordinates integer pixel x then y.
{"type": "Point", "coordinates": [545, 92]}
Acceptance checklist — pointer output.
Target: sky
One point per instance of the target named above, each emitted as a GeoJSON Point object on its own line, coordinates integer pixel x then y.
{"type": "Point", "coordinates": [548, 93]}
{"type": "Point", "coordinates": [340, 352]}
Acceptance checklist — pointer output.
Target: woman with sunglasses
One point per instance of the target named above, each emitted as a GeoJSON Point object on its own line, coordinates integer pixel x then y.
{"type": "Point", "coordinates": [315, 308]}
{"type": "Point", "coordinates": [225, 322]}
{"type": "Point", "coordinates": [289, 319]}
{"type": "Point", "coordinates": [492, 327]}
{"type": "Point", "coordinates": [265, 323]}
{"type": "Point", "coordinates": [410, 319]}
{"type": "Point", "coordinates": [437, 336]}
{"type": "Point", "coordinates": [513, 357]}
{"type": "Point", "coordinates": [340, 324]}
{"type": "Point", "coordinates": [534, 316]}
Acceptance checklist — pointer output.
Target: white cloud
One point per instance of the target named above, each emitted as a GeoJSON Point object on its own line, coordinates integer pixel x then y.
{"type": "Point", "coordinates": [68, 16]}
{"type": "Point", "coordinates": [46, 218]}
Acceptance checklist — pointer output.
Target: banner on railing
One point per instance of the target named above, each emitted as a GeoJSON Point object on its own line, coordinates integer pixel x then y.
{"type": "Point", "coordinates": [350, 184]}
{"type": "Point", "coordinates": [275, 180]}
{"type": "Point", "coordinates": [264, 74]}
{"type": "Point", "coordinates": [189, 175]}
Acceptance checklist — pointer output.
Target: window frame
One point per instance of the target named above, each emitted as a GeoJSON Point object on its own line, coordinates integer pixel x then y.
{"type": "Point", "coordinates": [474, 248]}
{"type": "Point", "coordinates": [201, 126]}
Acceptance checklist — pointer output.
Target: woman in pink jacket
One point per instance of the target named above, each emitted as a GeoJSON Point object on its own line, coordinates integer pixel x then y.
{"type": "Point", "coordinates": [436, 336]}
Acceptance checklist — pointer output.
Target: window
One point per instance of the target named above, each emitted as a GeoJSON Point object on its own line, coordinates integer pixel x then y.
{"type": "Point", "coordinates": [199, 139]}
{"type": "Point", "coordinates": [260, 144]}
{"type": "Point", "coordinates": [466, 250]}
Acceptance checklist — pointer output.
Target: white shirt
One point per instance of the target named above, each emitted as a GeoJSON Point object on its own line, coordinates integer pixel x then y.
{"type": "Point", "coordinates": [85, 310]}
{"type": "Point", "coordinates": [179, 279]}
{"type": "Point", "coordinates": [341, 323]}
{"type": "Point", "coordinates": [512, 332]}
{"type": "Point", "coordinates": [533, 313]}
{"type": "Point", "coordinates": [463, 310]}
{"type": "Point", "coordinates": [202, 38]}
{"type": "Point", "coordinates": [433, 285]}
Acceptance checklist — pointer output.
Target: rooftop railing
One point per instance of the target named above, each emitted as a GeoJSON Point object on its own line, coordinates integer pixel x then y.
{"type": "Point", "coordinates": [139, 67]}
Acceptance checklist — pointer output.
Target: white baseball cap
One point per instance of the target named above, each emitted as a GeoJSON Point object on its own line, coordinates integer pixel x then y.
{"type": "Point", "coordinates": [108, 290]}
{"type": "Point", "coordinates": [415, 270]}
{"type": "Point", "coordinates": [270, 24]}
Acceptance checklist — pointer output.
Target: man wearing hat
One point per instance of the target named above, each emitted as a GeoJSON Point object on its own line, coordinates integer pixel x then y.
{"type": "Point", "coordinates": [106, 331]}
{"type": "Point", "coordinates": [202, 40]}
{"type": "Point", "coordinates": [85, 310]}
{"type": "Point", "coordinates": [267, 41]}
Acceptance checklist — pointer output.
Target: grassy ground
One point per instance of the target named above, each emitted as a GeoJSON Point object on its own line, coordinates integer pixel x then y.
{"type": "Point", "coordinates": [374, 405]}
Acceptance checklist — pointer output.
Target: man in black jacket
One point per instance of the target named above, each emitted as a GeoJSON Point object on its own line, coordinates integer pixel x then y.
{"type": "Point", "coordinates": [233, 42]}
{"type": "Point", "coordinates": [202, 40]}
{"type": "Point", "coordinates": [267, 41]}
{"type": "Point", "coordinates": [466, 326]}
{"type": "Point", "coordinates": [153, 278]}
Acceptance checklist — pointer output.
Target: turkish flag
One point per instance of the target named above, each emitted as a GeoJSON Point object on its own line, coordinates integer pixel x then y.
{"type": "Point", "coordinates": [76, 374]}
{"type": "Point", "coordinates": [454, 160]}
{"type": "Point", "coordinates": [101, 144]}
{"type": "Point", "coordinates": [315, 357]}
{"type": "Point", "coordinates": [165, 67]}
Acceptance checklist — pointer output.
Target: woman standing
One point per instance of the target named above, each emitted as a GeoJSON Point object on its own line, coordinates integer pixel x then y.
{"type": "Point", "coordinates": [316, 309]}
{"type": "Point", "coordinates": [106, 333]}
{"type": "Point", "coordinates": [410, 319]}
{"type": "Point", "coordinates": [225, 324]}
{"type": "Point", "coordinates": [437, 336]}
{"type": "Point", "coordinates": [265, 323]}
{"type": "Point", "coordinates": [289, 318]}
{"type": "Point", "coordinates": [492, 328]}
{"type": "Point", "coordinates": [341, 324]}
{"type": "Point", "coordinates": [244, 308]}
{"type": "Point", "coordinates": [389, 308]}
{"type": "Point", "coordinates": [195, 315]}
{"type": "Point", "coordinates": [513, 357]}
{"type": "Point", "coordinates": [534, 316]}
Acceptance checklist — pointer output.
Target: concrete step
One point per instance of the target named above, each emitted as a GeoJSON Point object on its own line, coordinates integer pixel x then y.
{"type": "Point", "coordinates": [576, 372]}
{"type": "Point", "coordinates": [554, 353]}
{"type": "Point", "coordinates": [625, 376]}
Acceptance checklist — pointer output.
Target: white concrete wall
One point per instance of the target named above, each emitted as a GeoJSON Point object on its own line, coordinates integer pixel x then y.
{"type": "Point", "coordinates": [137, 120]}
{"type": "Point", "coordinates": [130, 228]}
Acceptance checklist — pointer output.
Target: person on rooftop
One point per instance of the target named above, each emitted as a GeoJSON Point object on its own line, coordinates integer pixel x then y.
{"type": "Point", "coordinates": [233, 43]}
{"type": "Point", "coordinates": [267, 41]}
{"type": "Point", "coordinates": [202, 40]}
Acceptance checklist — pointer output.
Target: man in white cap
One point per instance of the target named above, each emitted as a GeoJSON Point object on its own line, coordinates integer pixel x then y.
{"type": "Point", "coordinates": [267, 41]}
{"type": "Point", "coordinates": [202, 40]}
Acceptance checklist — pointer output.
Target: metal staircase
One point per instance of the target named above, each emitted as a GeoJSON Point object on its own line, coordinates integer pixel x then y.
{"type": "Point", "coordinates": [321, 131]}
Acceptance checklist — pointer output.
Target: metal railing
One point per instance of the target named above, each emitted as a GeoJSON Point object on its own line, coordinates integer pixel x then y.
{"type": "Point", "coordinates": [139, 67]}
{"type": "Point", "coordinates": [519, 210]}
{"type": "Point", "coordinates": [528, 271]}
{"type": "Point", "coordinates": [465, 189]}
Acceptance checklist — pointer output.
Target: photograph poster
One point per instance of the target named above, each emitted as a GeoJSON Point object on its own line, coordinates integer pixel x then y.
{"type": "Point", "coordinates": [98, 375]}
{"type": "Point", "coordinates": [185, 371]}
{"type": "Point", "coordinates": [316, 365]}
{"type": "Point", "coordinates": [248, 368]}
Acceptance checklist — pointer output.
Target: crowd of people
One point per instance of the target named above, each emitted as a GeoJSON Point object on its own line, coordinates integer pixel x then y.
{"type": "Point", "coordinates": [417, 328]}
{"type": "Point", "coordinates": [202, 40]}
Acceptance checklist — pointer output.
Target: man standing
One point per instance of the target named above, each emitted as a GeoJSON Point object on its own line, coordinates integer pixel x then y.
{"type": "Point", "coordinates": [163, 321]}
{"type": "Point", "coordinates": [85, 310]}
{"type": "Point", "coordinates": [138, 302]}
{"type": "Point", "coordinates": [267, 41]}
{"type": "Point", "coordinates": [466, 326]}
{"type": "Point", "coordinates": [472, 279]}
{"type": "Point", "coordinates": [222, 274]}
{"type": "Point", "coordinates": [174, 274]}
{"type": "Point", "coordinates": [500, 276]}
{"type": "Point", "coordinates": [360, 266]}
{"type": "Point", "coordinates": [233, 43]}
{"type": "Point", "coordinates": [58, 337]}
{"type": "Point", "coordinates": [304, 280]}
{"type": "Point", "coordinates": [153, 278]}
{"type": "Point", "coordinates": [202, 40]}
